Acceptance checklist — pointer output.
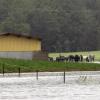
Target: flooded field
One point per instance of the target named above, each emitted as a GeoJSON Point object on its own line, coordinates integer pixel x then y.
{"type": "Point", "coordinates": [50, 86]}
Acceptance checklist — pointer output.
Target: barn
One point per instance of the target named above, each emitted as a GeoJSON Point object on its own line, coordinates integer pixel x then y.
{"type": "Point", "coordinates": [21, 47]}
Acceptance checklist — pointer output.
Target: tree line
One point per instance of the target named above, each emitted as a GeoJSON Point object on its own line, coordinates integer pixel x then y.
{"type": "Point", "coordinates": [63, 25]}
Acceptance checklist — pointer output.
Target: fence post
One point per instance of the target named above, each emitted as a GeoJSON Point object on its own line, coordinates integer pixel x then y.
{"type": "Point", "coordinates": [19, 71]}
{"type": "Point", "coordinates": [37, 75]}
{"type": "Point", "coordinates": [64, 77]}
{"type": "Point", "coordinates": [3, 71]}
{"type": "Point", "coordinates": [95, 69]}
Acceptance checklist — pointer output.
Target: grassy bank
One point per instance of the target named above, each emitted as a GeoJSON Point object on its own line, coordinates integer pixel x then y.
{"type": "Point", "coordinates": [96, 53]}
{"type": "Point", "coordinates": [12, 65]}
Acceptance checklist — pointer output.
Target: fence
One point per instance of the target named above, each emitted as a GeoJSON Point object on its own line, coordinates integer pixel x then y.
{"type": "Point", "coordinates": [19, 72]}
{"type": "Point", "coordinates": [6, 69]}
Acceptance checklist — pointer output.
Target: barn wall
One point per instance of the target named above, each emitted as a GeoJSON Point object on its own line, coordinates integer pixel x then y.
{"type": "Point", "coordinates": [25, 55]}
{"type": "Point", "coordinates": [17, 55]}
{"type": "Point", "coordinates": [14, 43]}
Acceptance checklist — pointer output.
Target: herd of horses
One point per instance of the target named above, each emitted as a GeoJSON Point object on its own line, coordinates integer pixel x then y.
{"type": "Point", "coordinates": [73, 58]}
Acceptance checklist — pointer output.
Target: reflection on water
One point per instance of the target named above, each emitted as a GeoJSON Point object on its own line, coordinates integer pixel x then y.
{"type": "Point", "coordinates": [77, 87]}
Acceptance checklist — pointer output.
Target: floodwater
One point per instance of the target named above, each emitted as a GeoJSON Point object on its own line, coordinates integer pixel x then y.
{"type": "Point", "coordinates": [50, 86]}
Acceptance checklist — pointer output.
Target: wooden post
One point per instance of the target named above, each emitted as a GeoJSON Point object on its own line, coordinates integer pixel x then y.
{"type": "Point", "coordinates": [37, 75]}
{"type": "Point", "coordinates": [3, 71]}
{"type": "Point", "coordinates": [64, 77]}
{"type": "Point", "coordinates": [19, 71]}
{"type": "Point", "coordinates": [95, 69]}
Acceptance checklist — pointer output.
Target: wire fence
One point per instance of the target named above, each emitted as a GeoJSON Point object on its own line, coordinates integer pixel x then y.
{"type": "Point", "coordinates": [8, 70]}
{"type": "Point", "coordinates": [62, 77]}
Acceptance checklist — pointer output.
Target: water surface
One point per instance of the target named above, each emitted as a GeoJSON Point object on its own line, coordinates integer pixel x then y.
{"type": "Point", "coordinates": [78, 86]}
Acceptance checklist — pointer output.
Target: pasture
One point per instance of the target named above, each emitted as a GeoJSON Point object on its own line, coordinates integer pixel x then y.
{"type": "Point", "coordinates": [96, 53]}
{"type": "Point", "coordinates": [12, 66]}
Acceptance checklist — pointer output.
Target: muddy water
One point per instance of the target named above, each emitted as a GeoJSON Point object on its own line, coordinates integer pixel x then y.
{"type": "Point", "coordinates": [51, 87]}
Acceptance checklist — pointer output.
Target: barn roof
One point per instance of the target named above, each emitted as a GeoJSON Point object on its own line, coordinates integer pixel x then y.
{"type": "Point", "coordinates": [21, 35]}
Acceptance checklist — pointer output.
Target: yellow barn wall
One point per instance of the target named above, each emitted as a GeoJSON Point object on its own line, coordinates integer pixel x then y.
{"type": "Point", "coordinates": [14, 43]}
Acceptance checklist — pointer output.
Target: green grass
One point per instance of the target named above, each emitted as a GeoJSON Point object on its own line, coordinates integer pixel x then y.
{"type": "Point", "coordinates": [12, 65]}
{"type": "Point", "coordinates": [96, 53]}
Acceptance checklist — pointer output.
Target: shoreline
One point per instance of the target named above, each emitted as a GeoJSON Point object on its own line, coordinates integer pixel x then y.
{"type": "Point", "coordinates": [70, 73]}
